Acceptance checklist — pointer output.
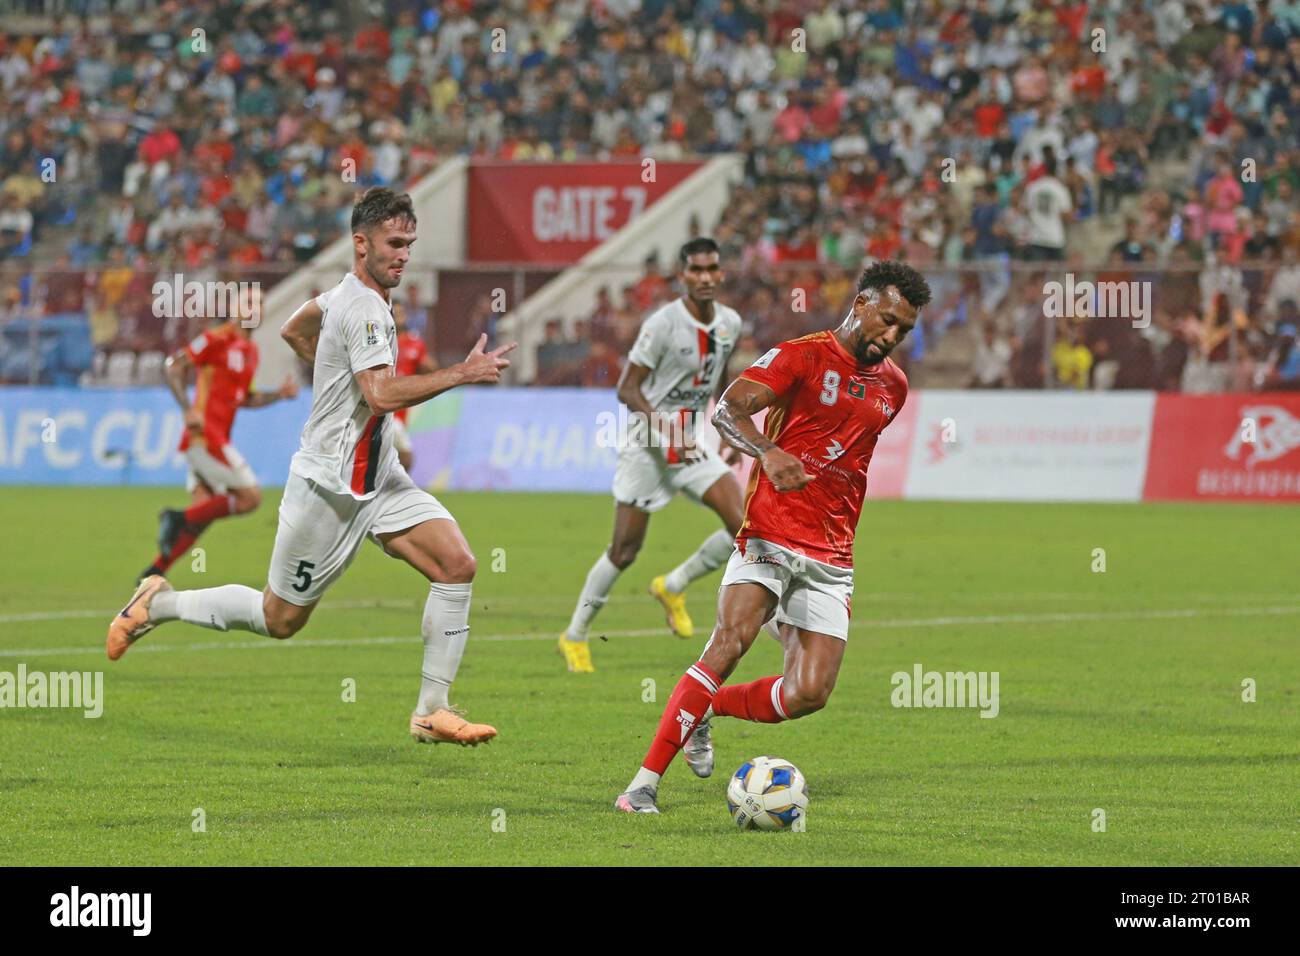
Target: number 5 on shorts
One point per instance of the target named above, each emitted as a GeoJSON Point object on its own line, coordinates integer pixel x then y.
{"type": "Point", "coordinates": [303, 574]}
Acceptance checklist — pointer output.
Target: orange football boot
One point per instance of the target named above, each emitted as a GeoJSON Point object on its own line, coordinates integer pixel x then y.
{"type": "Point", "coordinates": [445, 726]}
{"type": "Point", "coordinates": [132, 622]}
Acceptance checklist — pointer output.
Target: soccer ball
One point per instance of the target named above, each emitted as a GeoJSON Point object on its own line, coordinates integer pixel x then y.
{"type": "Point", "coordinates": [767, 793]}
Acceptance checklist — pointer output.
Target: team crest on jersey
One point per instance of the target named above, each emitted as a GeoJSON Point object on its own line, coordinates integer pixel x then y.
{"type": "Point", "coordinates": [857, 388]}
{"type": "Point", "coordinates": [372, 333]}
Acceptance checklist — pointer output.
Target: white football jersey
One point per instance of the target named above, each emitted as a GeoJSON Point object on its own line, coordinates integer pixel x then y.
{"type": "Point", "coordinates": [345, 449]}
{"type": "Point", "coordinates": [686, 358]}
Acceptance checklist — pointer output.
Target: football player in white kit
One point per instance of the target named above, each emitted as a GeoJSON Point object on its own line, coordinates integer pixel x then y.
{"type": "Point", "coordinates": [345, 483]}
{"type": "Point", "coordinates": [675, 367]}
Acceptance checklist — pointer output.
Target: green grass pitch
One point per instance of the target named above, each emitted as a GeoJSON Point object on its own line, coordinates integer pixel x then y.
{"type": "Point", "coordinates": [1119, 691]}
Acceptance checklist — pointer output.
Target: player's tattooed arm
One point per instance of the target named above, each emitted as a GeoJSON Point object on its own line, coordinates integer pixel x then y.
{"type": "Point", "coordinates": [302, 330]}
{"type": "Point", "coordinates": [734, 420]}
{"type": "Point", "coordinates": [734, 416]}
{"type": "Point", "coordinates": [175, 369]}
{"type": "Point", "coordinates": [386, 392]}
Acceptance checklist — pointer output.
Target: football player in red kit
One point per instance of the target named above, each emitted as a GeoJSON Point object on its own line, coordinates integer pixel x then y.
{"type": "Point", "coordinates": [829, 395]}
{"type": "Point", "coordinates": [220, 481]}
{"type": "Point", "coordinates": [412, 359]}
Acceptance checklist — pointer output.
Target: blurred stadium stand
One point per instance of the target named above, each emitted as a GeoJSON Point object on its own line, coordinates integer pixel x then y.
{"type": "Point", "coordinates": [218, 157]}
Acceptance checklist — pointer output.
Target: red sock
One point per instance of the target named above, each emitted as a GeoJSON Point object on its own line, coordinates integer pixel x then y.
{"type": "Point", "coordinates": [690, 699]}
{"type": "Point", "coordinates": [762, 700]}
{"type": "Point", "coordinates": [205, 512]}
{"type": "Point", "coordinates": [188, 535]}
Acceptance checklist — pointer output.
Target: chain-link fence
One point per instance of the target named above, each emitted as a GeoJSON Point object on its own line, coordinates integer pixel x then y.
{"type": "Point", "coordinates": [996, 324]}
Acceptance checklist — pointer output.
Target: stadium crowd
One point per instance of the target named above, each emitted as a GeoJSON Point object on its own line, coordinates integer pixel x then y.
{"type": "Point", "coordinates": [982, 141]}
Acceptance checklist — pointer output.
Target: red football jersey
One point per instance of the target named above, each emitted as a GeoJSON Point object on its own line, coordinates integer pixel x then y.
{"type": "Point", "coordinates": [225, 362]}
{"type": "Point", "coordinates": [410, 353]}
{"type": "Point", "coordinates": [829, 412]}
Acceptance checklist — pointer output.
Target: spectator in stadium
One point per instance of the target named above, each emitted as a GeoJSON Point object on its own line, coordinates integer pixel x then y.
{"type": "Point", "coordinates": [652, 288]}
{"type": "Point", "coordinates": [1281, 370]}
{"type": "Point", "coordinates": [16, 225]}
{"type": "Point", "coordinates": [601, 368]}
{"type": "Point", "coordinates": [991, 367]}
{"type": "Point", "coordinates": [1223, 195]}
{"type": "Point", "coordinates": [558, 358]}
{"type": "Point", "coordinates": [1048, 207]}
{"type": "Point", "coordinates": [1071, 359]}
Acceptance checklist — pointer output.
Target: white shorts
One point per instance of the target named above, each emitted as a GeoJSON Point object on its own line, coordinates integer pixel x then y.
{"type": "Point", "coordinates": [645, 481]}
{"type": "Point", "coordinates": [320, 532]}
{"type": "Point", "coordinates": [401, 437]}
{"type": "Point", "coordinates": [220, 476]}
{"type": "Point", "coordinates": [810, 594]}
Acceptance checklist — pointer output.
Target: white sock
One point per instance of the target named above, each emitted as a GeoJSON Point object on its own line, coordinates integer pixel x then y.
{"type": "Point", "coordinates": [231, 606]}
{"type": "Point", "coordinates": [445, 629]}
{"type": "Point", "coordinates": [595, 592]}
{"type": "Point", "coordinates": [644, 778]}
{"type": "Point", "coordinates": [712, 553]}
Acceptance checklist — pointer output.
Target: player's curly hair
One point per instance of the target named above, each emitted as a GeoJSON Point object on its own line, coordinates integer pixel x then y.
{"type": "Point", "coordinates": [911, 284]}
{"type": "Point", "coordinates": [377, 205]}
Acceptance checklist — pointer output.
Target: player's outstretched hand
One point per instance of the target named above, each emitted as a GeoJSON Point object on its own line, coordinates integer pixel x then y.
{"type": "Point", "coordinates": [486, 367]}
{"type": "Point", "coordinates": [785, 470]}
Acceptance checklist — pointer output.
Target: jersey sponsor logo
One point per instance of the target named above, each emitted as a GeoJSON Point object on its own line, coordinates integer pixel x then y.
{"type": "Point", "coordinates": [834, 450]}
{"type": "Point", "coordinates": [823, 465]}
{"type": "Point", "coordinates": [695, 396]}
{"type": "Point", "coordinates": [885, 409]}
{"type": "Point", "coordinates": [766, 360]}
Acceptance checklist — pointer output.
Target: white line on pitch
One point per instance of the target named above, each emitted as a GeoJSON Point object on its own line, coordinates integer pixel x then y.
{"type": "Point", "coordinates": [975, 620]}
{"type": "Point", "coordinates": [398, 604]}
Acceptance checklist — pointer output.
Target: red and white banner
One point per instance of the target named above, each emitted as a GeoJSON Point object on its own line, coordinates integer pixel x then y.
{"type": "Point", "coordinates": [1225, 447]}
{"type": "Point", "coordinates": [558, 212]}
{"type": "Point", "coordinates": [1029, 446]}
